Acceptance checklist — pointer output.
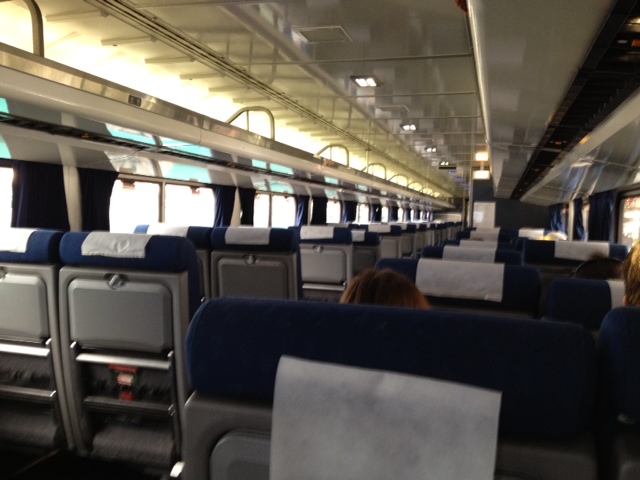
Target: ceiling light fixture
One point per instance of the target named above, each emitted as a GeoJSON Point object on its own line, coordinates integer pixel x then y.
{"type": "Point", "coordinates": [408, 127]}
{"type": "Point", "coordinates": [482, 156]}
{"type": "Point", "coordinates": [430, 149]}
{"type": "Point", "coordinates": [366, 81]}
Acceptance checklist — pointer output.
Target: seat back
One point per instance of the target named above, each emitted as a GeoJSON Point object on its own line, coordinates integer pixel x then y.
{"type": "Point", "coordinates": [326, 257]}
{"type": "Point", "coordinates": [485, 255]}
{"type": "Point", "coordinates": [583, 301]}
{"type": "Point", "coordinates": [507, 289]}
{"type": "Point", "coordinates": [366, 250]}
{"type": "Point", "coordinates": [409, 239]}
{"type": "Point", "coordinates": [618, 413]}
{"type": "Point", "coordinates": [546, 399]}
{"type": "Point", "coordinates": [201, 239]}
{"type": "Point", "coordinates": [125, 304]}
{"type": "Point", "coordinates": [568, 254]}
{"type": "Point", "coordinates": [33, 410]}
{"type": "Point", "coordinates": [259, 262]}
{"type": "Point", "coordinates": [390, 239]}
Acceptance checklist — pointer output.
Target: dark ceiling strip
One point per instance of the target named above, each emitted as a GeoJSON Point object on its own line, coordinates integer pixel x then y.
{"type": "Point", "coordinates": [609, 74]}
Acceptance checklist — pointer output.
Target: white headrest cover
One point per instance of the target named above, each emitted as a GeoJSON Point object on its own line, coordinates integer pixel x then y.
{"type": "Point", "coordinates": [580, 250]}
{"type": "Point", "coordinates": [445, 278]}
{"type": "Point", "coordinates": [334, 421]}
{"type": "Point", "coordinates": [315, 232]}
{"type": "Point", "coordinates": [247, 236]}
{"type": "Point", "coordinates": [15, 239]}
{"type": "Point", "coordinates": [120, 245]}
{"type": "Point", "coordinates": [164, 229]}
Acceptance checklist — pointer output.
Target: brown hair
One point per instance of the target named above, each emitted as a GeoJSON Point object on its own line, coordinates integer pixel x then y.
{"type": "Point", "coordinates": [631, 270]}
{"type": "Point", "coordinates": [600, 266]}
{"type": "Point", "coordinates": [384, 287]}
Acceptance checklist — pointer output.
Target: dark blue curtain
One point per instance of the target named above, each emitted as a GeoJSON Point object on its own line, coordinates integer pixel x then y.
{"type": "Point", "coordinates": [247, 202]}
{"type": "Point", "coordinates": [225, 199]}
{"type": "Point", "coordinates": [578, 221]}
{"type": "Point", "coordinates": [302, 217]}
{"type": "Point", "coordinates": [418, 214]}
{"type": "Point", "coordinates": [556, 218]}
{"type": "Point", "coordinates": [408, 214]}
{"type": "Point", "coordinates": [95, 192]}
{"type": "Point", "coordinates": [393, 214]}
{"type": "Point", "coordinates": [39, 200]}
{"type": "Point", "coordinates": [376, 213]}
{"type": "Point", "coordinates": [319, 211]}
{"type": "Point", "coordinates": [601, 216]}
{"type": "Point", "coordinates": [349, 211]}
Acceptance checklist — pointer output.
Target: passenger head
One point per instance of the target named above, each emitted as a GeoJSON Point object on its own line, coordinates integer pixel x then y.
{"type": "Point", "coordinates": [600, 266]}
{"type": "Point", "coordinates": [631, 270]}
{"type": "Point", "coordinates": [384, 287]}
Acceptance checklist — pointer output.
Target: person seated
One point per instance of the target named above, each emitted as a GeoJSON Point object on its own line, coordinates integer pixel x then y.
{"type": "Point", "coordinates": [631, 273]}
{"type": "Point", "coordinates": [384, 287]}
{"type": "Point", "coordinates": [600, 267]}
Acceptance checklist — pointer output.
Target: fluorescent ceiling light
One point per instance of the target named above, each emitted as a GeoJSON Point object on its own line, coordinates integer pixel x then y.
{"type": "Point", "coordinates": [482, 156]}
{"type": "Point", "coordinates": [481, 175]}
{"type": "Point", "coordinates": [366, 81]}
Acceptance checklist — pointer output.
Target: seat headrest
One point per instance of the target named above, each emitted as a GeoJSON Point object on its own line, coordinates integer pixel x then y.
{"type": "Point", "coordinates": [324, 234]}
{"type": "Point", "coordinates": [545, 370]}
{"type": "Point", "coordinates": [281, 240]}
{"type": "Point", "coordinates": [23, 245]}
{"type": "Point", "coordinates": [199, 236]}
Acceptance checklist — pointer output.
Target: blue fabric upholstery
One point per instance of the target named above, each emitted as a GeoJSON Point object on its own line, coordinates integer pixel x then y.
{"type": "Point", "coordinates": [545, 370]}
{"type": "Point", "coordinates": [199, 236]}
{"type": "Point", "coordinates": [162, 254]}
{"type": "Point", "coordinates": [619, 361]}
{"type": "Point", "coordinates": [578, 300]}
{"type": "Point", "coordinates": [280, 240]}
{"type": "Point", "coordinates": [341, 235]}
{"type": "Point", "coordinates": [521, 288]}
{"type": "Point", "coordinates": [509, 257]}
{"type": "Point", "coordinates": [542, 252]}
{"type": "Point", "coordinates": [43, 247]}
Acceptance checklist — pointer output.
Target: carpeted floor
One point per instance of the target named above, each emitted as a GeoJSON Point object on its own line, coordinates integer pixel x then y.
{"type": "Point", "coordinates": [65, 466]}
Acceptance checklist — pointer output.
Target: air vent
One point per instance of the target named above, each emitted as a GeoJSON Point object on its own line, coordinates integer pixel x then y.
{"type": "Point", "coordinates": [323, 34]}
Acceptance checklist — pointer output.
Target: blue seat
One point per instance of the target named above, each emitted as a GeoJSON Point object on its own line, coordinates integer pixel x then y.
{"type": "Point", "coordinates": [583, 301]}
{"type": "Point", "coordinates": [509, 257]}
{"type": "Point", "coordinates": [547, 253]}
{"type": "Point", "coordinates": [519, 295]}
{"type": "Point", "coordinates": [125, 303]}
{"type": "Point", "coordinates": [201, 239]}
{"type": "Point", "coordinates": [259, 262]}
{"type": "Point", "coordinates": [33, 409]}
{"type": "Point", "coordinates": [618, 416]}
{"type": "Point", "coordinates": [545, 371]}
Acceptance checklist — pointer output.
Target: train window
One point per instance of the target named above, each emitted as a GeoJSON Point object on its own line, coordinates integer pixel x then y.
{"type": "Point", "coordinates": [261, 207]}
{"type": "Point", "coordinates": [283, 211]}
{"type": "Point", "coordinates": [401, 214]}
{"type": "Point", "coordinates": [630, 221]}
{"type": "Point", "coordinates": [363, 214]}
{"type": "Point", "coordinates": [278, 211]}
{"type": "Point", "coordinates": [334, 213]}
{"type": "Point", "coordinates": [6, 195]}
{"type": "Point", "coordinates": [187, 205]}
{"type": "Point", "coordinates": [133, 203]}
{"type": "Point", "coordinates": [384, 215]}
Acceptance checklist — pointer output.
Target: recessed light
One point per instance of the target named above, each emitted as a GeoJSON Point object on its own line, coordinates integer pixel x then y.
{"type": "Point", "coordinates": [366, 80]}
{"type": "Point", "coordinates": [482, 156]}
{"type": "Point", "coordinates": [408, 127]}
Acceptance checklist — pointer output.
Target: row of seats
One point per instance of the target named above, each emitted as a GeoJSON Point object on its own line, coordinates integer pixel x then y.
{"type": "Point", "coordinates": [545, 371]}
{"type": "Point", "coordinates": [92, 345]}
